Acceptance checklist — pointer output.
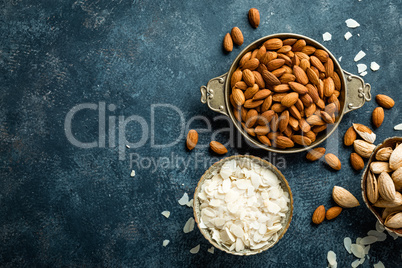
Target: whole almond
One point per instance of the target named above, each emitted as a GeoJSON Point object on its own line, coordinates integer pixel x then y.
{"type": "Point", "coordinates": [350, 136]}
{"type": "Point", "coordinates": [395, 160]}
{"type": "Point", "coordinates": [248, 77]}
{"type": "Point", "coordinates": [238, 96]}
{"type": "Point", "coordinates": [258, 79]}
{"type": "Point", "coordinates": [237, 36]}
{"type": "Point", "coordinates": [299, 45]}
{"type": "Point", "coordinates": [270, 79]}
{"type": "Point", "coordinates": [261, 130]}
{"type": "Point", "coordinates": [261, 52]}
{"type": "Point", "coordinates": [377, 116]}
{"type": "Point", "coordinates": [315, 154]}
{"type": "Point", "coordinates": [363, 148]}
{"type": "Point", "coordinates": [329, 87]}
{"type": "Point", "coordinates": [273, 44]}
{"type": "Point", "coordinates": [275, 64]}
{"type": "Point", "coordinates": [301, 140]}
{"type": "Point", "coordinates": [356, 161]}
{"type": "Point", "coordinates": [371, 188]}
{"type": "Point", "coordinates": [218, 147]}
{"type": "Point", "coordinates": [281, 88]}
{"type": "Point", "coordinates": [319, 215]}
{"type": "Point", "coordinates": [286, 78]}
{"type": "Point", "coordinates": [262, 94]}
{"type": "Point", "coordinates": [326, 117]}
{"type": "Point", "coordinates": [317, 64]}
{"type": "Point", "coordinates": [337, 81]}
{"type": "Point", "coordinates": [283, 120]}
{"type": "Point", "coordinates": [284, 142]}
{"type": "Point", "coordinates": [264, 140]}
{"type": "Point", "coordinates": [379, 167]}
{"type": "Point", "coordinates": [333, 212]}
{"type": "Point", "coordinates": [241, 85]}
{"type": "Point", "coordinates": [251, 118]}
{"type": "Point", "coordinates": [315, 120]}
{"type": "Point", "coordinates": [251, 64]}
{"type": "Point", "coordinates": [301, 76]}
{"type": "Point", "coordinates": [237, 76]}
{"type": "Point", "coordinates": [388, 211]}
{"type": "Point", "coordinates": [383, 154]}
{"type": "Point", "coordinates": [245, 58]}
{"type": "Point", "coordinates": [290, 99]}
{"type": "Point", "coordinates": [344, 198]}
{"type": "Point", "coordinates": [386, 187]}
{"type": "Point", "coordinates": [329, 68]}
{"type": "Point", "coordinates": [297, 87]}
{"type": "Point", "coordinates": [251, 91]}
{"type": "Point", "coordinates": [385, 101]}
{"type": "Point", "coordinates": [333, 161]}
{"type": "Point", "coordinates": [322, 55]}
{"type": "Point", "coordinates": [266, 104]}
{"type": "Point", "coordinates": [227, 43]}
{"type": "Point", "coordinates": [274, 122]}
{"type": "Point", "coordinates": [192, 139]}
{"type": "Point", "coordinates": [254, 17]}
{"type": "Point", "coordinates": [366, 133]}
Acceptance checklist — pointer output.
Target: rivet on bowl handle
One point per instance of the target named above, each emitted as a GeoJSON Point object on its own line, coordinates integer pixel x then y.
{"type": "Point", "coordinates": [358, 92]}
{"type": "Point", "coordinates": [214, 94]}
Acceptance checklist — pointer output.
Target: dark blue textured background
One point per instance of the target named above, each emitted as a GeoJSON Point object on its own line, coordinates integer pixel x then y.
{"type": "Point", "coordinates": [66, 206]}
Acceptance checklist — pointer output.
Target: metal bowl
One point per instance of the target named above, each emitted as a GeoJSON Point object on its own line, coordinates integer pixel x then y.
{"type": "Point", "coordinates": [390, 142]}
{"type": "Point", "coordinates": [354, 93]}
{"type": "Point", "coordinates": [208, 174]}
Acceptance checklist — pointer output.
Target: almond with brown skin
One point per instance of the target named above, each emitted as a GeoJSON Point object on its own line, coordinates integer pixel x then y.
{"type": "Point", "coordinates": [275, 64]}
{"type": "Point", "coordinates": [299, 45]}
{"type": "Point", "coordinates": [251, 118]}
{"type": "Point", "coordinates": [329, 68]}
{"type": "Point", "coordinates": [317, 63]}
{"type": "Point", "coordinates": [251, 64]}
{"type": "Point", "coordinates": [322, 55]}
{"type": "Point", "coordinates": [350, 136]}
{"type": "Point", "coordinates": [192, 139]}
{"type": "Point", "coordinates": [308, 50]}
{"type": "Point", "coordinates": [366, 133]}
{"type": "Point", "coordinates": [262, 94]}
{"type": "Point", "coordinates": [218, 147]}
{"type": "Point", "coordinates": [319, 215]}
{"type": "Point", "coordinates": [237, 36]}
{"type": "Point", "coordinates": [315, 154]}
{"type": "Point", "coordinates": [301, 76]}
{"type": "Point", "coordinates": [248, 77]}
{"type": "Point", "coordinates": [333, 161]}
{"type": "Point", "coordinates": [237, 76]}
{"type": "Point", "coordinates": [333, 212]}
{"type": "Point", "coordinates": [284, 142]}
{"type": "Point", "coordinates": [356, 161]}
{"type": "Point", "coordinates": [264, 140]}
{"type": "Point", "coordinates": [290, 99]}
{"type": "Point", "coordinates": [301, 140]}
{"type": "Point", "coordinates": [326, 117]}
{"type": "Point", "coordinates": [297, 87]}
{"type": "Point", "coordinates": [273, 44]}
{"type": "Point", "coordinates": [251, 91]}
{"type": "Point", "coordinates": [286, 78]}
{"type": "Point", "coordinates": [254, 17]}
{"type": "Point", "coordinates": [385, 101]}
{"type": "Point", "coordinates": [377, 116]}
{"type": "Point", "coordinates": [270, 79]}
{"type": "Point", "coordinates": [238, 96]}
{"type": "Point", "coordinates": [258, 79]}
{"type": "Point", "coordinates": [329, 87]}
{"type": "Point", "coordinates": [228, 43]}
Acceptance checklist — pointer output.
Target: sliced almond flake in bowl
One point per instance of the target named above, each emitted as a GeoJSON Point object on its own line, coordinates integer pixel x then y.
{"type": "Point", "coordinates": [166, 213]}
{"type": "Point", "coordinates": [348, 35]}
{"type": "Point", "coordinates": [327, 36]}
{"type": "Point", "coordinates": [184, 199]}
{"type": "Point", "coordinates": [359, 55]}
{"type": "Point", "coordinates": [379, 265]}
{"type": "Point", "coordinates": [351, 23]}
{"type": "Point", "coordinates": [347, 242]}
{"type": "Point", "coordinates": [189, 226]}
{"type": "Point", "coordinates": [361, 67]}
{"type": "Point", "coordinates": [368, 240]}
{"type": "Point", "coordinates": [195, 249]}
{"type": "Point", "coordinates": [357, 250]}
{"type": "Point", "coordinates": [374, 66]}
{"type": "Point", "coordinates": [165, 242]}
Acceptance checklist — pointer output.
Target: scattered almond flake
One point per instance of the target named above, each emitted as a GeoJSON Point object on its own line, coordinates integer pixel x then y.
{"type": "Point", "coordinates": [374, 66]}
{"type": "Point", "coordinates": [362, 260]}
{"type": "Point", "coordinates": [166, 213]}
{"type": "Point", "coordinates": [340, 59]}
{"type": "Point", "coordinates": [398, 127]}
{"type": "Point", "coordinates": [243, 205]}
{"type": "Point", "coordinates": [351, 23]}
{"type": "Point", "coordinates": [366, 250]}
{"type": "Point", "coordinates": [358, 240]}
{"type": "Point", "coordinates": [128, 146]}
{"type": "Point", "coordinates": [211, 250]}
{"type": "Point", "coordinates": [379, 265]}
{"type": "Point", "coordinates": [358, 35]}
{"type": "Point", "coordinates": [331, 257]}
{"type": "Point", "coordinates": [348, 35]}
{"type": "Point", "coordinates": [190, 203]}
{"type": "Point", "coordinates": [379, 227]}
{"type": "Point", "coordinates": [132, 174]}
{"type": "Point", "coordinates": [368, 240]}
{"type": "Point", "coordinates": [355, 263]}
{"type": "Point", "coordinates": [165, 242]}
{"type": "Point", "coordinates": [359, 55]}
{"type": "Point", "coordinates": [326, 36]}
{"type": "Point", "coordinates": [189, 226]}
{"type": "Point", "coordinates": [195, 249]}
{"type": "Point", "coordinates": [381, 236]}
{"type": "Point", "coordinates": [347, 242]}
{"type": "Point", "coordinates": [393, 235]}
{"type": "Point", "coordinates": [184, 199]}
{"type": "Point", "coordinates": [363, 73]}
{"type": "Point", "coordinates": [361, 68]}
{"type": "Point", "coordinates": [357, 250]}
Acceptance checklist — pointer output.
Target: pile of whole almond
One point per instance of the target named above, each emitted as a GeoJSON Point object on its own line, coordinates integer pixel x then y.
{"type": "Point", "coordinates": [384, 184]}
{"type": "Point", "coordinates": [285, 92]}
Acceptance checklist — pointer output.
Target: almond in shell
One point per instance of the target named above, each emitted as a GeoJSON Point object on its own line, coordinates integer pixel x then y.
{"type": "Point", "coordinates": [344, 198]}
{"type": "Point", "coordinates": [379, 167]}
{"type": "Point", "coordinates": [386, 187]}
{"type": "Point", "coordinates": [394, 220]}
{"type": "Point", "coordinates": [371, 187]}
{"type": "Point", "coordinates": [383, 154]}
{"type": "Point", "coordinates": [397, 177]}
{"type": "Point", "coordinates": [363, 148]}
{"type": "Point", "coordinates": [395, 160]}
{"type": "Point", "coordinates": [333, 161]}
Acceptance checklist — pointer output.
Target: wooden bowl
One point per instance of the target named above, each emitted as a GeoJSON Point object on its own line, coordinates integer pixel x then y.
{"type": "Point", "coordinates": [208, 174]}
{"type": "Point", "coordinates": [390, 142]}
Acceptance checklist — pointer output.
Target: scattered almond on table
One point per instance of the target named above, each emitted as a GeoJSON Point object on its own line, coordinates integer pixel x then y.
{"type": "Point", "coordinates": [218, 147]}
{"type": "Point", "coordinates": [254, 17]}
{"type": "Point", "coordinates": [192, 139]}
{"type": "Point", "coordinates": [228, 43]}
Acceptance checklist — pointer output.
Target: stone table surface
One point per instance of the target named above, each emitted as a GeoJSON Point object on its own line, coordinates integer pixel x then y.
{"type": "Point", "coordinates": [80, 80]}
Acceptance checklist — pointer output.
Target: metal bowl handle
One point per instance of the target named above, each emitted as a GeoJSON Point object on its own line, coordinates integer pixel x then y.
{"type": "Point", "coordinates": [358, 92]}
{"type": "Point", "coordinates": [213, 94]}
